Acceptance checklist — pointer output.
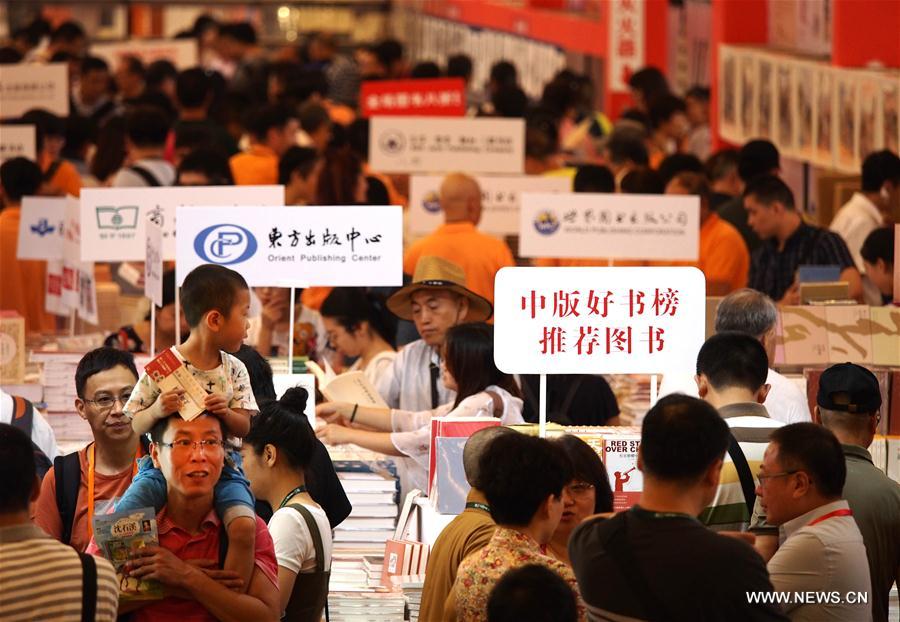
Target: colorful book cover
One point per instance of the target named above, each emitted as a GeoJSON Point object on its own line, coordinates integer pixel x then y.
{"type": "Point", "coordinates": [119, 535]}
{"type": "Point", "coordinates": [453, 426]}
{"type": "Point", "coordinates": [620, 457]}
{"type": "Point", "coordinates": [169, 373]}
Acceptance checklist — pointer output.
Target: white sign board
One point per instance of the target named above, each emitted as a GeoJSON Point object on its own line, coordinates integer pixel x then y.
{"type": "Point", "coordinates": [27, 86]}
{"type": "Point", "coordinates": [437, 145]}
{"type": "Point", "coordinates": [41, 228]}
{"type": "Point", "coordinates": [53, 303]}
{"type": "Point", "coordinates": [153, 264]}
{"type": "Point", "coordinates": [617, 226]}
{"type": "Point", "coordinates": [113, 219]}
{"type": "Point", "coordinates": [500, 198]}
{"type": "Point", "coordinates": [598, 320]}
{"type": "Point", "coordinates": [283, 382]}
{"type": "Point", "coordinates": [79, 289]}
{"type": "Point", "coordinates": [340, 246]}
{"type": "Point", "coordinates": [17, 141]}
{"type": "Point", "coordinates": [181, 52]}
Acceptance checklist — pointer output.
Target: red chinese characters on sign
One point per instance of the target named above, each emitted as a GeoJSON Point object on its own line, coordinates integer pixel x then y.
{"type": "Point", "coordinates": [626, 53]}
{"type": "Point", "coordinates": [442, 97]}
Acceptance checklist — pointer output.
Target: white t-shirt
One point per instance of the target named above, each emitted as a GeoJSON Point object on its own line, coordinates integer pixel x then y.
{"type": "Point", "coordinates": [163, 172]}
{"type": "Point", "coordinates": [377, 367]}
{"type": "Point", "coordinates": [294, 548]}
{"type": "Point", "coordinates": [303, 318]}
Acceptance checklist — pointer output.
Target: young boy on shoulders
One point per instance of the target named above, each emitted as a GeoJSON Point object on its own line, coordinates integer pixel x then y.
{"type": "Point", "coordinates": [216, 302]}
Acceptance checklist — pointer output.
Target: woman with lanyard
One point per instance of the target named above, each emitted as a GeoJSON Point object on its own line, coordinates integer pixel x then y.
{"type": "Point", "coordinates": [276, 453]}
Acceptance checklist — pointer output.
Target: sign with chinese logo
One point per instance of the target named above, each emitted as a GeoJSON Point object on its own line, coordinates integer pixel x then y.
{"type": "Point", "coordinates": [27, 86]}
{"type": "Point", "coordinates": [441, 97]}
{"type": "Point", "coordinates": [153, 264]}
{"type": "Point", "coordinates": [500, 198]}
{"type": "Point", "coordinates": [17, 141]}
{"type": "Point", "coordinates": [615, 226]}
{"type": "Point", "coordinates": [180, 52]}
{"type": "Point", "coordinates": [598, 320]}
{"type": "Point", "coordinates": [437, 145]}
{"type": "Point", "coordinates": [626, 42]}
{"type": "Point", "coordinates": [41, 228]}
{"type": "Point", "coordinates": [113, 219]}
{"type": "Point", "coordinates": [339, 246]}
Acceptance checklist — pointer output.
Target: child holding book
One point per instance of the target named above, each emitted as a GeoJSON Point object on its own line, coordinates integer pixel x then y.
{"type": "Point", "coordinates": [216, 303]}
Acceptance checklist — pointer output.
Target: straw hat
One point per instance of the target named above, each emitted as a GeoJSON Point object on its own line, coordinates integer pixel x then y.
{"type": "Point", "coordinates": [437, 273]}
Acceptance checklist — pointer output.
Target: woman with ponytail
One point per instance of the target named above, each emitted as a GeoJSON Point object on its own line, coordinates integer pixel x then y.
{"type": "Point", "coordinates": [276, 454]}
{"type": "Point", "coordinates": [467, 367]}
{"type": "Point", "coordinates": [360, 326]}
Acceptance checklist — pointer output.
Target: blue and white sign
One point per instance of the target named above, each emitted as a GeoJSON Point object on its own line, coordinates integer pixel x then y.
{"type": "Point", "coordinates": [113, 220]}
{"type": "Point", "coordinates": [41, 228]}
{"type": "Point", "coordinates": [331, 246]}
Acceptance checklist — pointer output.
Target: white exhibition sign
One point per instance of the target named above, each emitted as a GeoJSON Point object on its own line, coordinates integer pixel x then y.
{"type": "Point", "coordinates": [113, 219]}
{"type": "Point", "coordinates": [500, 198]}
{"type": "Point", "coordinates": [615, 226]}
{"type": "Point", "coordinates": [598, 320]}
{"type": "Point", "coordinates": [30, 85]}
{"type": "Point", "coordinates": [442, 144]}
{"type": "Point", "coordinates": [340, 246]}
{"type": "Point", "coordinates": [17, 141]}
{"type": "Point", "coordinates": [181, 52]}
{"type": "Point", "coordinates": [41, 228]}
{"type": "Point", "coordinates": [79, 289]}
{"type": "Point", "coordinates": [153, 264]}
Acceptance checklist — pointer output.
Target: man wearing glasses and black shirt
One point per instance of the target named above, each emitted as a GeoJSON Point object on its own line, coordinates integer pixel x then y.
{"type": "Point", "coordinates": [84, 484]}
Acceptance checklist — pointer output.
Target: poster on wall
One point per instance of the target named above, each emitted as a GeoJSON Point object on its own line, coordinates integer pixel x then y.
{"type": "Point", "coordinates": [766, 115]}
{"type": "Point", "coordinates": [870, 124]}
{"type": "Point", "coordinates": [784, 81]}
{"type": "Point", "coordinates": [890, 115]}
{"type": "Point", "coordinates": [847, 87]}
{"type": "Point", "coordinates": [748, 94]}
{"type": "Point", "coordinates": [804, 101]}
{"type": "Point", "coordinates": [824, 117]}
{"type": "Point", "coordinates": [728, 107]}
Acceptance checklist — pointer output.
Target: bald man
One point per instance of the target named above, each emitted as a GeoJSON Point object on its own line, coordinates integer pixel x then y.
{"type": "Point", "coordinates": [458, 240]}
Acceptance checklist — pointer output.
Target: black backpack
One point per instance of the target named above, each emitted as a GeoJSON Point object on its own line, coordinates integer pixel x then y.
{"type": "Point", "coordinates": [23, 418]}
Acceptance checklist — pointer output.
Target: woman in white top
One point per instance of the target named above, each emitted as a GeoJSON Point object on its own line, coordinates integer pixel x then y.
{"type": "Point", "coordinates": [269, 331]}
{"type": "Point", "coordinates": [467, 367]}
{"type": "Point", "coordinates": [275, 454]}
{"type": "Point", "coordinates": [359, 325]}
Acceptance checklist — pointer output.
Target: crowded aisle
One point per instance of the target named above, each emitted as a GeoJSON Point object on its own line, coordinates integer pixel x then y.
{"type": "Point", "coordinates": [449, 311]}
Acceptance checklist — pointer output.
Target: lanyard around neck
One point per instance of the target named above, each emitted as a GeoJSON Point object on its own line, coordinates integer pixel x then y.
{"type": "Point", "coordinates": [825, 517]}
{"type": "Point", "coordinates": [295, 491]}
{"type": "Point", "coordinates": [91, 458]}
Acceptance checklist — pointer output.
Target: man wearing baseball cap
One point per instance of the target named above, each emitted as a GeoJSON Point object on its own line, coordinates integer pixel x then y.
{"type": "Point", "coordinates": [848, 404]}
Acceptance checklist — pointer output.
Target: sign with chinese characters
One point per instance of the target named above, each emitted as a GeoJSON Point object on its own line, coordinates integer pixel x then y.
{"type": "Point", "coordinates": [500, 198]}
{"type": "Point", "coordinates": [617, 226]}
{"type": "Point", "coordinates": [41, 228]}
{"type": "Point", "coordinates": [339, 246]}
{"type": "Point", "coordinates": [27, 86]}
{"type": "Point", "coordinates": [113, 219]}
{"type": "Point", "coordinates": [181, 52]}
{"type": "Point", "coordinates": [79, 289]}
{"type": "Point", "coordinates": [17, 141]}
{"type": "Point", "coordinates": [441, 97]}
{"type": "Point", "coordinates": [153, 264]}
{"type": "Point", "coordinates": [626, 42]}
{"type": "Point", "coordinates": [436, 145]}
{"type": "Point", "coordinates": [598, 320]}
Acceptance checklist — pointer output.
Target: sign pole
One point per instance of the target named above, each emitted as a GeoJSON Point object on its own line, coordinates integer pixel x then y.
{"type": "Point", "coordinates": [290, 348]}
{"type": "Point", "coordinates": [72, 323]}
{"type": "Point", "coordinates": [654, 389]}
{"type": "Point", "coordinates": [152, 329]}
{"type": "Point", "coordinates": [177, 312]}
{"type": "Point", "coordinates": [542, 408]}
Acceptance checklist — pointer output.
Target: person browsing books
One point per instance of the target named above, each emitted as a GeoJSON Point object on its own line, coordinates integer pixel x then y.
{"type": "Point", "coordinates": [467, 368]}
{"type": "Point", "coordinates": [277, 452]}
{"type": "Point", "coordinates": [216, 301]}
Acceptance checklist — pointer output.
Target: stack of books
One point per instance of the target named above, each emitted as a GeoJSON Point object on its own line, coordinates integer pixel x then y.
{"type": "Point", "coordinates": [366, 607]}
{"type": "Point", "coordinates": [374, 515]}
{"type": "Point", "coordinates": [411, 587]}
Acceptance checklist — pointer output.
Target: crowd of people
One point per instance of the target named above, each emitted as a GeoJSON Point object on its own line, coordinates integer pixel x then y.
{"type": "Point", "coordinates": [747, 507]}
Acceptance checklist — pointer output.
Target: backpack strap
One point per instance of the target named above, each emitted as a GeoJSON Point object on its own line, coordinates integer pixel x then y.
{"type": "Point", "coordinates": [149, 178]}
{"type": "Point", "coordinates": [67, 471]}
{"type": "Point", "coordinates": [498, 403]}
{"type": "Point", "coordinates": [52, 169]}
{"type": "Point", "coordinates": [314, 533]}
{"type": "Point", "coordinates": [745, 475]}
{"type": "Point", "coordinates": [88, 587]}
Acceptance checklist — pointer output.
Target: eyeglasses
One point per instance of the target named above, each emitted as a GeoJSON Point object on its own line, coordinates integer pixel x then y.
{"type": "Point", "coordinates": [105, 403]}
{"type": "Point", "coordinates": [579, 489]}
{"type": "Point", "coordinates": [184, 445]}
{"type": "Point", "coordinates": [765, 478]}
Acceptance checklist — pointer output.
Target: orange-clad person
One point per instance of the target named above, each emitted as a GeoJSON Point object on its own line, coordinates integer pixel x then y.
{"type": "Point", "coordinates": [272, 129]}
{"type": "Point", "coordinates": [458, 240]}
{"type": "Point", "coordinates": [60, 175]}
{"type": "Point", "coordinates": [21, 282]}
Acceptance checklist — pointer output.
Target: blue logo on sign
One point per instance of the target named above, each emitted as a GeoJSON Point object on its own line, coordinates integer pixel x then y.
{"type": "Point", "coordinates": [42, 228]}
{"type": "Point", "coordinates": [546, 223]}
{"type": "Point", "coordinates": [432, 203]}
{"type": "Point", "coordinates": [225, 244]}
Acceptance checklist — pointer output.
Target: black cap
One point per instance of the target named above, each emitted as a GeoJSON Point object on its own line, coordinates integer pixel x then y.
{"type": "Point", "coordinates": [849, 388]}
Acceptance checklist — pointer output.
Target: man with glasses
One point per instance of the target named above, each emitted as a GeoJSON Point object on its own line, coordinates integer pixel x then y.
{"type": "Point", "coordinates": [84, 484]}
{"type": "Point", "coordinates": [821, 568]}
{"type": "Point", "coordinates": [848, 404]}
{"type": "Point", "coordinates": [191, 455]}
